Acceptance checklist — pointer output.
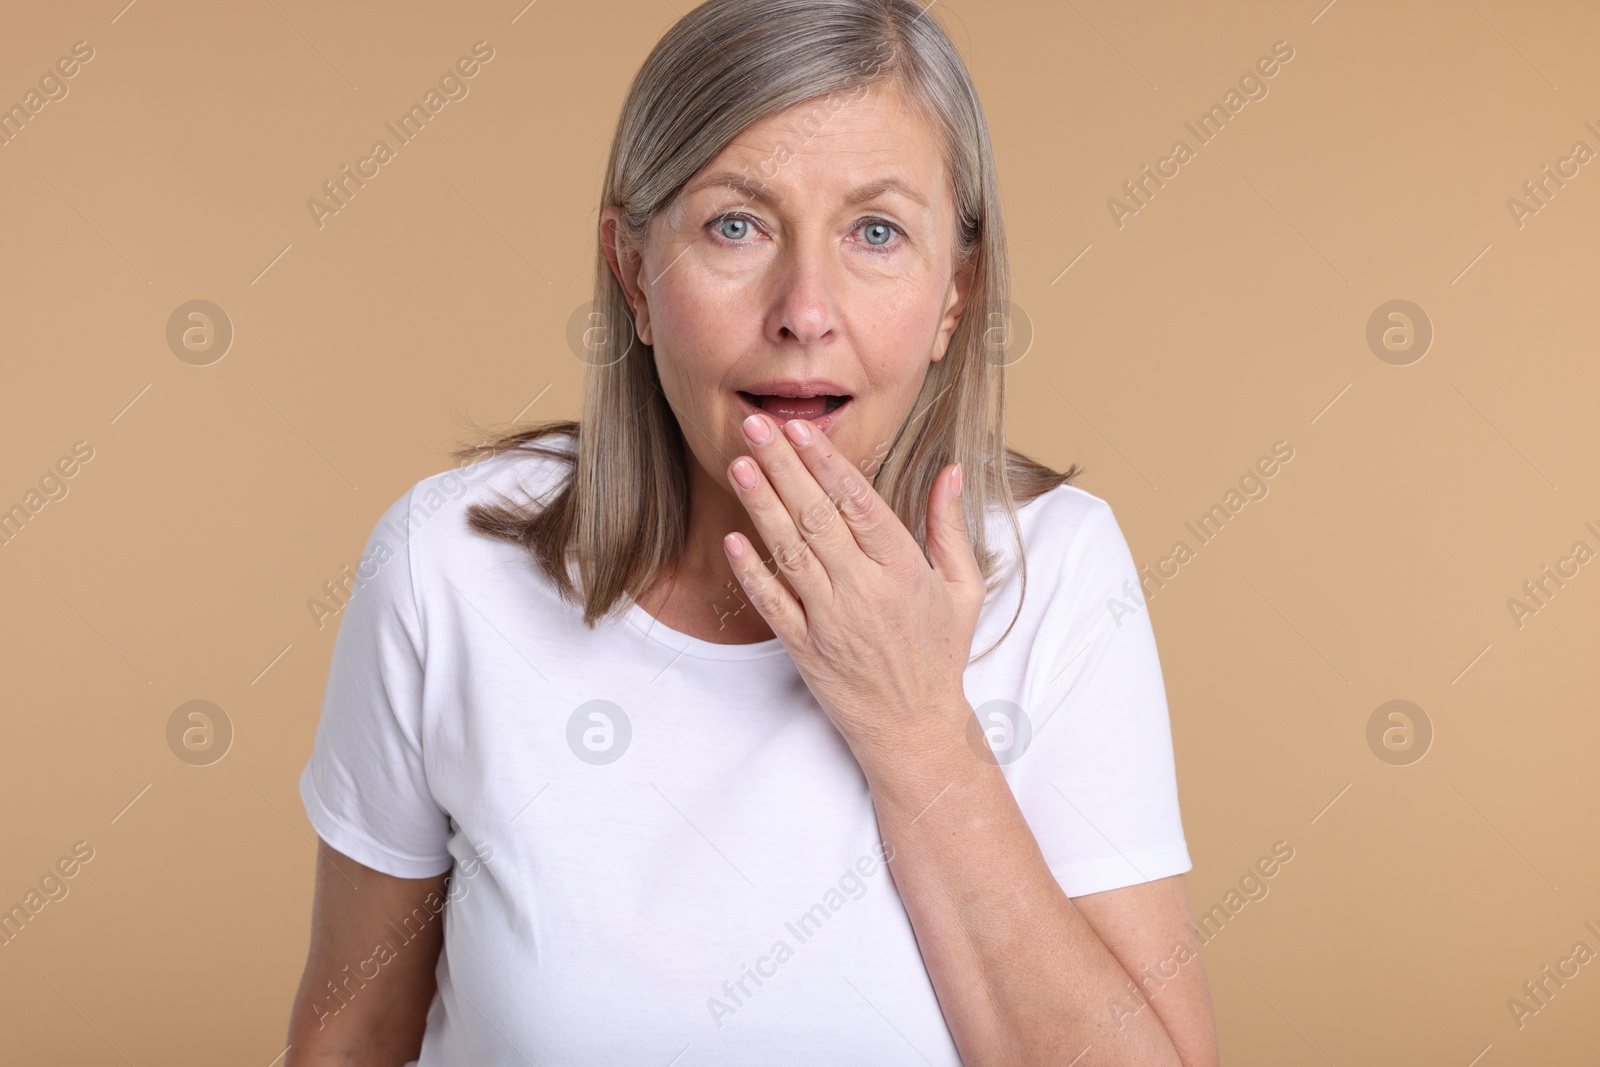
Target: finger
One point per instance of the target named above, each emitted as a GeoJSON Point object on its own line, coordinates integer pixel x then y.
{"type": "Point", "coordinates": [790, 553]}
{"type": "Point", "coordinates": [869, 521]}
{"type": "Point", "coordinates": [814, 517]}
{"type": "Point", "coordinates": [949, 541]}
{"type": "Point", "coordinates": [763, 590]}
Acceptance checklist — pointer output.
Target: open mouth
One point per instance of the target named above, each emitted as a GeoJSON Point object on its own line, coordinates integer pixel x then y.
{"type": "Point", "coordinates": [795, 407]}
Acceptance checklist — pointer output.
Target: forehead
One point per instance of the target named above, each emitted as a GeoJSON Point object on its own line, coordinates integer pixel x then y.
{"type": "Point", "coordinates": [842, 147]}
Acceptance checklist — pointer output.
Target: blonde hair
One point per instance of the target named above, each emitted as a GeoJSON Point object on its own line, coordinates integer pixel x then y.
{"type": "Point", "coordinates": [622, 508]}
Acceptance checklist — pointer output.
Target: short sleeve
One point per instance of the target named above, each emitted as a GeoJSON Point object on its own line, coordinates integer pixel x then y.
{"type": "Point", "coordinates": [1098, 779]}
{"type": "Point", "coordinates": [365, 787]}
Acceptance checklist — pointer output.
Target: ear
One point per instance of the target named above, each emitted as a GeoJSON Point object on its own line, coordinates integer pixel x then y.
{"type": "Point", "coordinates": [627, 267]}
{"type": "Point", "coordinates": [955, 304]}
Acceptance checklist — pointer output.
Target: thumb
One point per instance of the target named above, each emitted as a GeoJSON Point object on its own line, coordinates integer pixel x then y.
{"type": "Point", "coordinates": [949, 542]}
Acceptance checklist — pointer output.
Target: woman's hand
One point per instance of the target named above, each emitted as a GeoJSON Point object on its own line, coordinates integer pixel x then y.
{"type": "Point", "coordinates": [881, 638]}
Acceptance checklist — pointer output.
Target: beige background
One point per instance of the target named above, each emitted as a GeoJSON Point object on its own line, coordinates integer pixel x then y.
{"type": "Point", "coordinates": [1229, 313]}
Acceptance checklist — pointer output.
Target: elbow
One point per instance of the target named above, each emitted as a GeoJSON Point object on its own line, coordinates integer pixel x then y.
{"type": "Point", "coordinates": [308, 1032]}
{"type": "Point", "coordinates": [316, 1038]}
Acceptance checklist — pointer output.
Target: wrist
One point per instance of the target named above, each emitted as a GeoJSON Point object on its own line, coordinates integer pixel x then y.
{"type": "Point", "coordinates": [910, 769]}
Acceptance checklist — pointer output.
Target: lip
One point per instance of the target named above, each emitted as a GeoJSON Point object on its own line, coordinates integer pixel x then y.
{"type": "Point", "coordinates": [825, 423]}
{"type": "Point", "coordinates": [797, 387]}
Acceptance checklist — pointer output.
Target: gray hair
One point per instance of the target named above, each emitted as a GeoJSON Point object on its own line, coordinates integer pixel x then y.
{"type": "Point", "coordinates": [621, 512]}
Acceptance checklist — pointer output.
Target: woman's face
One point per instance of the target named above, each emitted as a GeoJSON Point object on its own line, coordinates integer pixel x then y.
{"type": "Point", "coordinates": [827, 271]}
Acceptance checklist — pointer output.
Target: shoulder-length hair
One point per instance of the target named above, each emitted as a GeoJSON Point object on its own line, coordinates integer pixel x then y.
{"type": "Point", "coordinates": [621, 510]}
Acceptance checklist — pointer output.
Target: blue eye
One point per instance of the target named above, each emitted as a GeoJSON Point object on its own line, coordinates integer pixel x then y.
{"type": "Point", "coordinates": [734, 228]}
{"type": "Point", "coordinates": [879, 226]}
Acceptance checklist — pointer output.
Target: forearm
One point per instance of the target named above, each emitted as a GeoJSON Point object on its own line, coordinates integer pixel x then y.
{"type": "Point", "coordinates": [382, 1028]}
{"type": "Point", "coordinates": [373, 1048]}
{"type": "Point", "coordinates": [1021, 976]}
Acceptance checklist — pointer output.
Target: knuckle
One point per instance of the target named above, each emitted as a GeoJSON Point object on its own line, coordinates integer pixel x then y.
{"type": "Point", "coordinates": [818, 518]}
{"type": "Point", "coordinates": [764, 600]}
{"type": "Point", "coordinates": [855, 500]}
{"type": "Point", "coordinates": [791, 557]}
{"type": "Point", "coordinates": [904, 572]}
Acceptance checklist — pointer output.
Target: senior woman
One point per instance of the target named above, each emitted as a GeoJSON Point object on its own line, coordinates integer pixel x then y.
{"type": "Point", "coordinates": [662, 737]}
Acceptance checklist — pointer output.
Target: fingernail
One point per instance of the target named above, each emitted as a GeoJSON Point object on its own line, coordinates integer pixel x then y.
{"type": "Point", "coordinates": [744, 472]}
{"type": "Point", "coordinates": [755, 428]}
{"type": "Point", "coordinates": [799, 431]}
{"type": "Point", "coordinates": [956, 478]}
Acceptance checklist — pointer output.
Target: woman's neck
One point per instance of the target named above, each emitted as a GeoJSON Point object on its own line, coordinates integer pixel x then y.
{"type": "Point", "coordinates": [705, 607]}
{"type": "Point", "coordinates": [700, 595]}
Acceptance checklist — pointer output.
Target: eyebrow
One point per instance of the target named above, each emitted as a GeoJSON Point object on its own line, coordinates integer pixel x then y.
{"type": "Point", "coordinates": [859, 195]}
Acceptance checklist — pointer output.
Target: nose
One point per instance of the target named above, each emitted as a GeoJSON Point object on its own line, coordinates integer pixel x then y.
{"type": "Point", "coordinates": [806, 310]}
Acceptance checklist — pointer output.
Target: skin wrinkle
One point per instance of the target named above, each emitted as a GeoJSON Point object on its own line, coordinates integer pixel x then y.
{"type": "Point", "coordinates": [809, 298]}
{"type": "Point", "coordinates": [1021, 970]}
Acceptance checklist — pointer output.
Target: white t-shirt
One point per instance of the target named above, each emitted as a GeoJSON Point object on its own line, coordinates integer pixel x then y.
{"type": "Point", "coordinates": [662, 851]}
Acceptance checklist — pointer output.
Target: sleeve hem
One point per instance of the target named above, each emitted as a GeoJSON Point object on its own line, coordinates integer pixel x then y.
{"type": "Point", "coordinates": [1119, 871]}
{"type": "Point", "coordinates": [359, 846]}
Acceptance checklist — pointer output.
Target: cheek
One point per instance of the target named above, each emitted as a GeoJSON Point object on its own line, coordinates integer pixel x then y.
{"type": "Point", "coordinates": [684, 342]}
{"type": "Point", "coordinates": [693, 308]}
{"type": "Point", "coordinates": [701, 339]}
{"type": "Point", "coordinates": [894, 339]}
{"type": "Point", "coordinates": [905, 312]}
